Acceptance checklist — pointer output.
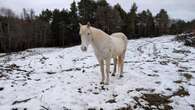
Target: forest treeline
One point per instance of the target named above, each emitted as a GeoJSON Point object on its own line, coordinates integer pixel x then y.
{"type": "Point", "coordinates": [60, 28]}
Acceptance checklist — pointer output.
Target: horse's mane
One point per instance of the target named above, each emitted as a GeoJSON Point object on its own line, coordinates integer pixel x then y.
{"type": "Point", "coordinates": [99, 31]}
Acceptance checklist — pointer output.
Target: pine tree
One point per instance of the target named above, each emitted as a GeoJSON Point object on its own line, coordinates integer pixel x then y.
{"type": "Point", "coordinates": [107, 18]}
{"type": "Point", "coordinates": [150, 24]}
{"type": "Point", "coordinates": [142, 23]}
{"type": "Point", "coordinates": [102, 3]}
{"type": "Point", "coordinates": [123, 16]}
{"type": "Point", "coordinates": [46, 15]}
{"type": "Point", "coordinates": [74, 19]}
{"type": "Point", "coordinates": [132, 20]}
{"type": "Point", "coordinates": [60, 27]}
{"type": "Point", "coordinates": [87, 9]}
{"type": "Point", "coordinates": [162, 20]}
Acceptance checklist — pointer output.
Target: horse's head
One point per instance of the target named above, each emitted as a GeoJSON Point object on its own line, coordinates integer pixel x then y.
{"type": "Point", "coordinates": [86, 36]}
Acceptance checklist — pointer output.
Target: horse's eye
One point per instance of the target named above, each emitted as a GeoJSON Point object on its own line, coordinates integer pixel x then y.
{"type": "Point", "coordinates": [88, 33]}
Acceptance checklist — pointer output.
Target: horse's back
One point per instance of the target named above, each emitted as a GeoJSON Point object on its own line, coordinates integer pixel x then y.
{"type": "Point", "coordinates": [119, 42]}
{"type": "Point", "coordinates": [120, 35]}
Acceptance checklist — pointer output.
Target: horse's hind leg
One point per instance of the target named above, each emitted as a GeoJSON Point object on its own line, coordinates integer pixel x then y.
{"type": "Point", "coordinates": [121, 63]}
{"type": "Point", "coordinates": [115, 64]}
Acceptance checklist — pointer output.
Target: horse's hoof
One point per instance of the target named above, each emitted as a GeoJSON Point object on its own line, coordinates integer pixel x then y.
{"type": "Point", "coordinates": [106, 83]}
{"type": "Point", "coordinates": [101, 82]}
{"type": "Point", "coordinates": [113, 74]}
{"type": "Point", "coordinates": [121, 76]}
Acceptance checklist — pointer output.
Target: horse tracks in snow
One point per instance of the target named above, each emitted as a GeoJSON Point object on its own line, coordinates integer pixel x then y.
{"type": "Point", "coordinates": [159, 74]}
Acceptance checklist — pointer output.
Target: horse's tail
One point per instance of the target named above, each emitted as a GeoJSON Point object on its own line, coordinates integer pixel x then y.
{"type": "Point", "coordinates": [125, 39]}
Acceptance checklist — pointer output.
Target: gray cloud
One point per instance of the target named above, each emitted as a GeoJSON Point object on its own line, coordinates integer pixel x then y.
{"type": "Point", "coordinates": [183, 9]}
{"type": "Point", "coordinates": [37, 5]}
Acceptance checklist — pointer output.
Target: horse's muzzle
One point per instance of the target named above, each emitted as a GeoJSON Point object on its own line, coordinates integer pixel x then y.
{"type": "Point", "coordinates": [83, 48]}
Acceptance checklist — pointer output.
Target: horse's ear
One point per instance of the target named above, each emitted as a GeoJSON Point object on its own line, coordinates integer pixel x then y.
{"type": "Point", "coordinates": [80, 24]}
{"type": "Point", "coordinates": [88, 24]}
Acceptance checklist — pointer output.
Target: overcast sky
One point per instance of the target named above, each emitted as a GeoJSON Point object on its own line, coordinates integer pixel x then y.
{"type": "Point", "coordinates": [183, 9]}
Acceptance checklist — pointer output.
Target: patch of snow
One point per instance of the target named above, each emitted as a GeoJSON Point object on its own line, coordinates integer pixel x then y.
{"type": "Point", "coordinates": [57, 78]}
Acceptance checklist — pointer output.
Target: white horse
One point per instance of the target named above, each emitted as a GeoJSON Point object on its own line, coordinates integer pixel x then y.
{"type": "Point", "coordinates": [106, 47]}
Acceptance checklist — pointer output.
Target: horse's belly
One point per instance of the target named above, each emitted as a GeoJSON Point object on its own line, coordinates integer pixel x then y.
{"type": "Point", "coordinates": [117, 52]}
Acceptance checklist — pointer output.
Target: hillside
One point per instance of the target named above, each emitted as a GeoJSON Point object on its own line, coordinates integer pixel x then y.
{"type": "Point", "coordinates": [159, 73]}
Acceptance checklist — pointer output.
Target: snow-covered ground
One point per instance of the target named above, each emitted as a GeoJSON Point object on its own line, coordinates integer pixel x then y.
{"type": "Point", "coordinates": [159, 73]}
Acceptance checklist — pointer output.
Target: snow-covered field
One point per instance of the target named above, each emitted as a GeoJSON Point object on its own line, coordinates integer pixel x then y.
{"type": "Point", "coordinates": [159, 74]}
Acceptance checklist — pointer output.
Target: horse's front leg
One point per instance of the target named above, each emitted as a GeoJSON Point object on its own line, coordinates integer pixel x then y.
{"type": "Point", "coordinates": [107, 70]}
{"type": "Point", "coordinates": [101, 62]}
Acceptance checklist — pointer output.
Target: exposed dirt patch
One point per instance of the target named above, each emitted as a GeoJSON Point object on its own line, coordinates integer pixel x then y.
{"type": "Point", "coordinates": [150, 101]}
{"type": "Point", "coordinates": [164, 62]}
{"type": "Point", "coordinates": [43, 59]}
{"type": "Point", "coordinates": [168, 89]}
{"type": "Point", "coordinates": [187, 76]}
{"type": "Point", "coordinates": [153, 101]}
{"type": "Point", "coordinates": [12, 66]}
{"type": "Point", "coordinates": [79, 59]}
{"type": "Point", "coordinates": [153, 75]}
{"type": "Point", "coordinates": [181, 51]}
{"type": "Point", "coordinates": [178, 81]}
{"type": "Point", "coordinates": [143, 89]}
{"type": "Point", "coordinates": [80, 68]}
{"type": "Point", "coordinates": [111, 101]}
{"type": "Point", "coordinates": [51, 72]}
{"type": "Point", "coordinates": [2, 75]}
{"type": "Point", "coordinates": [181, 92]}
{"type": "Point", "coordinates": [181, 70]}
{"type": "Point", "coordinates": [158, 82]}
{"type": "Point", "coordinates": [21, 101]}
{"type": "Point", "coordinates": [1, 88]}
{"type": "Point", "coordinates": [125, 108]}
{"type": "Point", "coordinates": [72, 69]}
{"type": "Point", "coordinates": [193, 106]}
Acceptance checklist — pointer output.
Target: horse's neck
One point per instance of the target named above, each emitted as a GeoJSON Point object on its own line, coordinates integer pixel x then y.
{"type": "Point", "coordinates": [98, 37]}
